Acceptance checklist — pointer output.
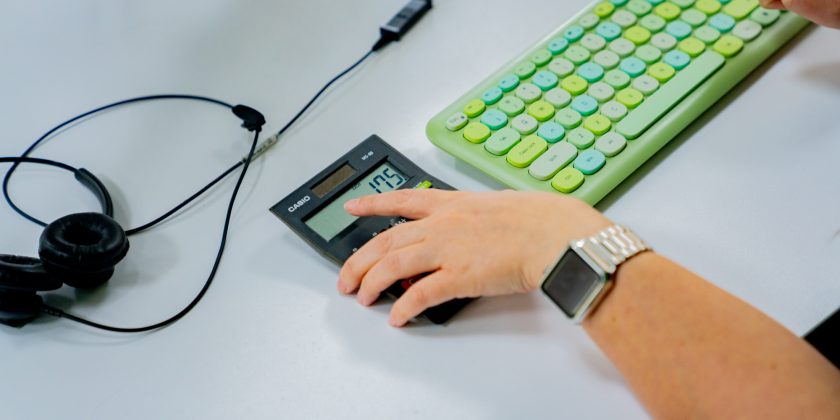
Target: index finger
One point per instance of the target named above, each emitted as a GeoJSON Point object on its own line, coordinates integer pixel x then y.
{"type": "Point", "coordinates": [413, 204]}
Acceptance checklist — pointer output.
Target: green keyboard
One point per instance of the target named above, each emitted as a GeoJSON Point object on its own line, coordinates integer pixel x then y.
{"type": "Point", "coordinates": [582, 109]}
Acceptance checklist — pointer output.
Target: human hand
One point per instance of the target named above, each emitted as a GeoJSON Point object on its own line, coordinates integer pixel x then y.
{"type": "Point", "coordinates": [472, 244]}
{"type": "Point", "coordinates": [823, 12]}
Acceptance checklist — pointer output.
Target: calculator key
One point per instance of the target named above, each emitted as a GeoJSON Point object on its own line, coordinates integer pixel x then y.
{"type": "Point", "coordinates": [721, 22]}
{"type": "Point", "coordinates": [668, 11]}
{"type": "Point", "coordinates": [456, 122]}
{"type": "Point", "coordinates": [691, 46]}
{"type": "Point", "coordinates": [632, 66]}
{"type": "Point", "coordinates": [502, 141]}
{"type": "Point", "coordinates": [623, 18]}
{"type": "Point", "coordinates": [509, 83]}
{"type": "Point", "coordinates": [541, 57]}
{"type": "Point", "coordinates": [662, 72]}
{"type": "Point", "coordinates": [707, 34]}
{"type": "Point", "coordinates": [597, 124]}
{"type": "Point", "coordinates": [764, 16]}
{"type": "Point", "coordinates": [581, 138]}
{"type": "Point", "coordinates": [574, 84]}
{"type": "Point", "coordinates": [558, 97]}
{"type": "Point", "coordinates": [593, 42]}
{"type": "Point", "coordinates": [637, 35]}
{"type": "Point", "coordinates": [747, 30]}
{"type": "Point", "coordinates": [614, 110]}
{"type": "Point", "coordinates": [639, 7]}
{"type": "Point", "coordinates": [588, 21]}
{"type": "Point", "coordinates": [567, 180]}
{"type": "Point", "coordinates": [670, 94]}
{"type": "Point", "coordinates": [618, 3]}
{"type": "Point", "coordinates": [591, 72]}
{"type": "Point", "coordinates": [528, 93]}
{"type": "Point", "coordinates": [541, 110]}
{"type": "Point", "coordinates": [663, 41]}
{"type": "Point", "coordinates": [729, 46]}
{"type": "Point", "coordinates": [653, 23]}
{"type": "Point", "coordinates": [561, 67]}
{"type": "Point", "coordinates": [525, 70]}
{"type": "Point", "coordinates": [679, 29]}
{"type": "Point", "coordinates": [568, 118]}
{"type": "Point", "coordinates": [604, 9]}
{"type": "Point", "coordinates": [648, 54]}
{"type": "Point", "coordinates": [677, 59]}
{"type": "Point", "coordinates": [617, 79]}
{"type": "Point", "coordinates": [693, 17]}
{"type": "Point", "coordinates": [476, 132]}
{"type": "Point", "coordinates": [610, 144]}
{"type": "Point", "coordinates": [558, 45]}
{"type": "Point", "coordinates": [574, 33]}
{"type": "Point", "coordinates": [646, 84]}
{"type": "Point", "coordinates": [474, 108]}
{"type": "Point", "coordinates": [511, 105]}
{"type": "Point", "coordinates": [630, 97]}
{"type": "Point", "coordinates": [545, 80]}
{"type": "Point", "coordinates": [552, 161]}
{"type": "Point", "coordinates": [524, 124]}
{"type": "Point", "coordinates": [494, 119]}
{"type": "Point", "coordinates": [590, 161]}
{"type": "Point", "coordinates": [709, 7]}
{"type": "Point", "coordinates": [601, 91]}
{"type": "Point", "coordinates": [683, 4]}
{"type": "Point", "coordinates": [528, 150]}
{"type": "Point", "coordinates": [740, 9]}
{"type": "Point", "coordinates": [577, 54]}
{"type": "Point", "coordinates": [492, 95]}
{"type": "Point", "coordinates": [606, 59]}
{"type": "Point", "coordinates": [622, 47]}
{"type": "Point", "coordinates": [551, 132]}
{"type": "Point", "coordinates": [608, 30]}
{"type": "Point", "coordinates": [585, 105]}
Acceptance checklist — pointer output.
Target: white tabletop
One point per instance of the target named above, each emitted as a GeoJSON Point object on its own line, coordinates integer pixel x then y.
{"type": "Point", "coordinates": [747, 197]}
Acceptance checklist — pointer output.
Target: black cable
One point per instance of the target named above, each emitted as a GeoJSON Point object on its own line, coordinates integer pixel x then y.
{"type": "Point", "coordinates": [51, 310]}
{"type": "Point", "coordinates": [19, 160]}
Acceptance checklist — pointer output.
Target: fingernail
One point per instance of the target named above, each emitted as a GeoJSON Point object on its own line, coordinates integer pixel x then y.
{"type": "Point", "coordinates": [394, 323]}
{"type": "Point", "coordinates": [350, 204]}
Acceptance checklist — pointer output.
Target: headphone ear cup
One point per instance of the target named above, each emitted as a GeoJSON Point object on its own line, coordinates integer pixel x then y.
{"type": "Point", "coordinates": [18, 308]}
{"type": "Point", "coordinates": [26, 274]}
{"type": "Point", "coordinates": [83, 248]}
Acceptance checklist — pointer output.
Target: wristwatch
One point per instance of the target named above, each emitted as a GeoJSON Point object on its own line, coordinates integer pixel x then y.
{"type": "Point", "coordinates": [582, 276]}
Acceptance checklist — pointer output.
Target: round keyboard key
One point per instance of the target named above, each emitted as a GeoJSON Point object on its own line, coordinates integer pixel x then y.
{"type": "Point", "coordinates": [709, 7]}
{"type": "Point", "coordinates": [528, 150]}
{"type": "Point", "coordinates": [508, 83]}
{"type": "Point", "coordinates": [545, 80]}
{"type": "Point", "coordinates": [707, 34]}
{"type": "Point", "coordinates": [554, 159]}
{"type": "Point", "coordinates": [593, 42]}
{"type": "Point", "coordinates": [679, 29]}
{"type": "Point", "coordinates": [614, 110]}
{"type": "Point", "coordinates": [574, 33]}
{"type": "Point", "coordinates": [677, 59]}
{"type": "Point", "coordinates": [722, 22]}
{"type": "Point", "coordinates": [511, 105]}
{"type": "Point", "coordinates": [589, 21]}
{"type": "Point", "coordinates": [693, 17]}
{"type": "Point", "coordinates": [618, 3]}
{"type": "Point", "coordinates": [541, 110]}
{"type": "Point", "coordinates": [590, 161]}
{"type": "Point", "coordinates": [474, 108]}
{"type": "Point", "coordinates": [623, 18]}
{"type": "Point", "coordinates": [476, 132]}
{"type": "Point", "coordinates": [585, 105]}
{"type": "Point", "coordinates": [551, 132]}
{"type": "Point", "coordinates": [604, 9]}
{"type": "Point", "coordinates": [502, 141]}
{"type": "Point", "coordinates": [630, 97]}
{"type": "Point", "coordinates": [597, 124]}
{"type": "Point", "coordinates": [581, 138]}
{"type": "Point", "coordinates": [574, 84]}
{"type": "Point", "coordinates": [691, 46]}
{"type": "Point", "coordinates": [606, 59]}
{"type": "Point", "coordinates": [661, 72]}
{"type": "Point", "coordinates": [646, 84]}
{"type": "Point", "coordinates": [617, 79]}
{"type": "Point", "coordinates": [667, 11]}
{"type": "Point", "coordinates": [541, 57]}
{"type": "Point", "coordinates": [747, 30]}
{"type": "Point", "coordinates": [558, 97]}
{"type": "Point", "coordinates": [561, 67]}
{"type": "Point", "coordinates": [456, 122]}
{"type": "Point", "coordinates": [528, 93]}
{"type": "Point", "coordinates": [764, 16]}
{"type": "Point", "coordinates": [591, 72]}
{"type": "Point", "coordinates": [558, 45]}
{"type": "Point", "coordinates": [524, 124]}
{"type": "Point", "coordinates": [601, 91]}
{"type": "Point", "coordinates": [663, 41]}
{"type": "Point", "coordinates": [608, 30]}
{"type": "Point", "coordinates": [652, 23]}
{"type": "Point", "coordinates": [492, 95]}
{"type": "Point", "coordinates": [568, 118]}
{"type": "Point", "coordinates": [648, 54]}
{"type": "Point", "coordinates": [610, 144]}
{"type": "Point", "coordinates": [577, 54]}
{"type": "Point", "coordinates": [567, 180]}
{"type": "Point", "coordinates": [525, 70]}
{"type": "Point", "coordinates": [494, 119]}
{"type": "Point", "coordinates": [728, 45]}
{"type": "Point", "coordinates": [622, 47]}
{"type": "Point", "coordinates": [632, 66]}
{"type": "Point", "coordinates": [637, 35]}
{"type": "Point", "coordinates": [639, 7]}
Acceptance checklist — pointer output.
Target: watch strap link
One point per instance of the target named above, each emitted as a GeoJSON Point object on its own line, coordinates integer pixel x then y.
{"type": "Point", "coordinates": [612, 246]}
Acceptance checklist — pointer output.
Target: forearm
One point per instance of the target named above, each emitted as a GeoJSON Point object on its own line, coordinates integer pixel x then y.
{"type": "Point", "coordinates": [689, 349]}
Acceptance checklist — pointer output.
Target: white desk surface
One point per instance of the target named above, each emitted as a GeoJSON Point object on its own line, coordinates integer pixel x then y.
{"type": "Point", "coordinates": [747, 197]}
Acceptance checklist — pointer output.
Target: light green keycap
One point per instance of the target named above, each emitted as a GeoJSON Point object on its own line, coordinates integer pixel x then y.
{"type": "Point", "coordinates": [528, 150]}
{"type": "Point", "coordinates": [593, 42]}
{"type": "Point", "coordinates": [568, 179]}
{"type": "Point", "coordinates": [729, 46]}
{"type": "Point", "coordinates": [474, 108]}
{"type": "Point", "coordinates": [684, 4]}
{"type": "Point", "coordinates": [653, 23]}
{"type": "Point", "coordinates": [630, 97]}
{"type": "Point", "coordinates": [525, 70]}
{"type": "Point", "coordinates": [623, 18]}
{"type": "Point", "coordinates": [568, 118]}
{"type": "Point", "coordinates": [558, 97]}
{"type": "Point", "coordinates": [670, 94]}
{"type": "Point", "coordinates": [646, 84]}
{"type": "Point", "coordinates": [663, 41]}
{"type": "Point", "coordinates": [614, 110]}
{"type": "Point", "coordinates": [502, 141]}
{"type": "Point", "coordinates": [574, 84]}
{"type": "Point", "coordinates": [693, 17]}
{"type": "Point", "coordinates": [541, 57]}
{"type": "Point", "coordinates": [667, 11]}
{"type": "Point", "coordinates": [707, 34]}
{"type": "Point", "coordinates": [597, 124]}
{"type": "Point", "coordinates": [577, 54]}
{"type": "Point", "coordinates": [476, 132]}
{"type": "Point", "coordinates": [561, 67]}
{"type": "Point", "coordinates": [637, 35]}
{"type": "Point", "coordinates": [617, 79]}
{"type": "Point", "coordinates": [601, 91]}
{"type": "Point", "coordinates": [740, 9]}
{"type": "Point", "coordinates": [747, 30]}
{"type": "Point", "coordinates": [709, 7]}
{"type": "Point", "coordinates": [648, 54]}
{"type": "Point", "coordinates": [528, 92]}
{"type": "Point", "coordinates": [606, 59]}
{"type": "Point", "coordinates": [604, 9]}
{"type": "Point", "coordinates": [639, 7]}
{"type": "Point", "coordinates": [541, 110]}
{"type": "Point", "coordinates": [692, 46]}
{"type": "Point", "coordinates": [622, 47]}
{"type": "Point", "coordinates": [511, 105]}
{"type": "Point", "coordinates": [588, 21]}
{"type": "Point", "coordinates": [580, 138]}
{"type": "Point", "coordinates": [661, 72]}
{"type": "Point", "coordinates": [524, 124]}
{"type": "Point", "coordinates": [456, 121]}
{"type": "Point", "coordinates": [764, 16]}
{"type": "Point", "coordinates": [610, 144]}
{"type": "Point", "coordinates": [556, 158]}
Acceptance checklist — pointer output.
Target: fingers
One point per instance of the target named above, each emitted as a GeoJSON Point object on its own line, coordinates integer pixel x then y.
{"type": "Point", "coordinates": [772, 4]}
{"type": "Point", "coordinates": [357, 266]}
{"type": "Point", "coordinates": [401, 264]}
{"type": "Point", "coordinates": [413, 204]}
{"type": "Point", "coordinates": [432, 290]}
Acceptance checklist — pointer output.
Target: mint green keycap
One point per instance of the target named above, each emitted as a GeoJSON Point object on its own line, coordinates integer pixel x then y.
{"type": "Point", "coordinates": [610, 144]}
{"type": "Point", "coordinates": [551, 132]}
{"type": "Point", "coordinates": [509, 83]}
{"type": "Point", "coordinates": [527, 151]}
{"type": "Point", "coordinates": [623, 18]}
{"type": "Point", "coordinates": [606, 59]}
{"type": "Point", "coordinates": [561, 67]}
{"type": "Point", "coordinates": [511, 105]}
{"type": "Point", "coordinates": [639, 7]}
{"type": "Point", "coordinates": [558, 97]}
{"type": "Point", "coordinates": [614, 110]}
{"type": "Point", "coordinates": [541, 57]}
{"type": "Point", "coordinates": [524, 124]}
{"type": "Point", "coordinates": [457, 121]}
{"type": "Point", "coordinates": [663, 41]}
{"type": "Point", "coordinates": [545, 80]}
{"type": "Point", "coordinates": [747, 30]}
{"type": "Point", "coordinates": [707, 34]}
{"type": "Point", "coordinates": [670, 94]}
{"type": "Point", "coordinates": [558, 45]}
{"type": "Point", "coordinates": [552, 161]}
{"type": "Point", "coordinates": [568, 179]}
{"type": "Point", "coordinates": [568, 118]}
{"type": "Point", "coordinates": [764, 16]}
{"type": "Point", "coordinates": [601, 91]}
{"type": "Point", "coordinates": [693, 17]}
{"type": "Point", "coordinates": [653, 23]}
{"type": "Point", "coordinates": [494, 119]}
{"type": "Point", "coordinates": [589, 21]}
{"type": "Point", "coordinates": [593, 42]}
{"type": "Point", "coordinates": [525, 70]}
{"type": "Point", "coordinates": [580, 138]}
{"type": "Point", "coordinates": [590, 161]}
{"type": "Point", "coordinates": [646, 84]}
{"type": "Point", "coordinates": [577, 54]}
{"type": "Point", "coordinates": [617, 79]}
{"type": "Point", "coordinates": [648, 54]}
{"type": "Point", "coordinates": [622, 47]}
{"type": "Point", "coordinates": [502, 141]}
{"type": "Point", "coordinates": [528, 93]}
{"type": "Point", "coordinates": [684, 4]}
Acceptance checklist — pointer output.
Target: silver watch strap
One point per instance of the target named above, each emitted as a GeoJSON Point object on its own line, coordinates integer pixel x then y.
{"type": "Point", "coordinates": [612, 246]}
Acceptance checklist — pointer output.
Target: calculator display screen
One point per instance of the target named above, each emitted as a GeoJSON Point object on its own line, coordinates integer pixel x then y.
{"type": "Point", "coordinates": [332, 219]}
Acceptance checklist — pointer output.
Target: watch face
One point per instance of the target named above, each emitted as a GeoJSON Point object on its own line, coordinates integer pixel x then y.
{"type": "Point", "coordinates": [570, 282]}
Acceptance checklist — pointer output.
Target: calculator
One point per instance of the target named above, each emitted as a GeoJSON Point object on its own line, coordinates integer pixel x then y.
{"type": "Point", "coordinates": [583, 108]}
{"type": "Point", "coordinates": [315, 210]}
